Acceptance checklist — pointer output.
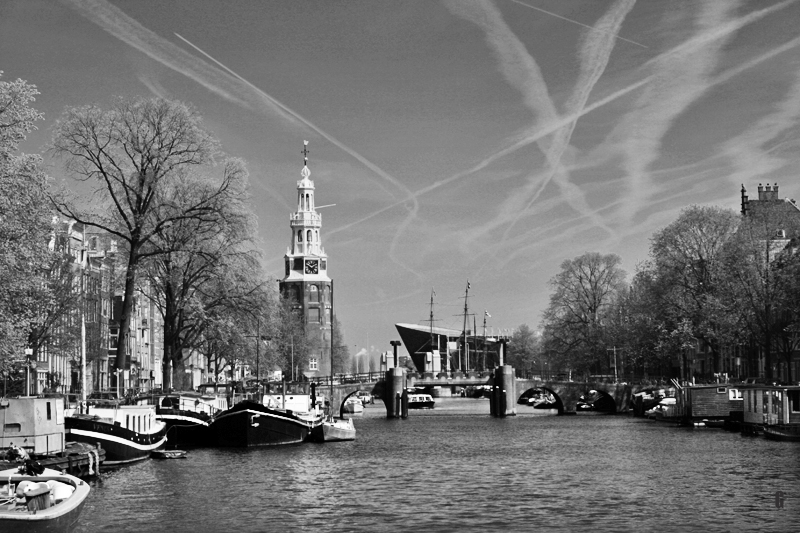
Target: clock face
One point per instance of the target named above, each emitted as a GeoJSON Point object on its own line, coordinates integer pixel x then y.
{"type": "Point", "coordinates": [312, 267]}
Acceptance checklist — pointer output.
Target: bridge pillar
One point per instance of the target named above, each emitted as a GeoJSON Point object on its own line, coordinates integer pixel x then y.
{"type": "Point", "coordinates": [504, 392]}
{"type": "Point", "coordinates": [394, 393]}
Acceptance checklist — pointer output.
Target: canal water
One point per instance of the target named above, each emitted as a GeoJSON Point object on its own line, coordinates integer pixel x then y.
{"type": "Point", "coordinates": [457, 469]}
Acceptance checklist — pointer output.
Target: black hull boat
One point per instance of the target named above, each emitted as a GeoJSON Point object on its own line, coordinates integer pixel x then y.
{"type": "Point", "coordinates": [250, 423]}
{"type": "Point", "coordinates": [187, 416]}
{"type": "Point", "coordinates": [127, 433]}
{"type": "Point", "coordinates": [790, 433]}
{"type": "Point", "coordinates": [185, 429]}
{"type": "Point", "coordinates": [49, 501]}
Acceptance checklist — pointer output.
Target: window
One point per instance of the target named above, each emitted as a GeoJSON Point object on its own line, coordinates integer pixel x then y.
{"type": "Point", "coordinates": [794, 400]}
{"type": "Point", "coordinates": [299, 235]}
{"type": "Point", "coordinates": [313, 315]}
{"type": "Point", "coordinates": [313, 295]}
{"type": "Point", "coordinates": [298, 263]}
{"type": "Point", "coordinates": [312, 364]}
{"type": "Point", "coordinates": [49, 412]}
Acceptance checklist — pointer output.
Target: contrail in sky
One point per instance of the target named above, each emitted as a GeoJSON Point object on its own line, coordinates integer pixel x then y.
{"type": "Point", "coordinates": [521, 142]}
{"type": "Point", "coordinates": [578, 23]}
{"type": "Point", "coordinates": [305, 121]}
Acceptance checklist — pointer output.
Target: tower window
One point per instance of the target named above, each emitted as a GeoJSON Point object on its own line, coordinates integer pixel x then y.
{"type": "Point", "coordinates": [313, 315]}
{"type": "Point", "coordinates": [308, 235]}
{"type": "Point", "coordinates": [313, 295]}
{"type": "Point", "coordinates": [300, 236]}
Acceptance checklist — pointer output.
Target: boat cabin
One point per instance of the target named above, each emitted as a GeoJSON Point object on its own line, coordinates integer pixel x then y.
{"type": "Point", "coordinates": [709, 401]}
{"type": "Point", "coordinates": [35, 424]}
{"type": "Point", "coordinates": [769, 405]}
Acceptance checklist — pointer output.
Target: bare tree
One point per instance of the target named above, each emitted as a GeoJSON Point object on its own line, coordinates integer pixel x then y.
{"type": "Point", "coordinates": [137, 156]}
{"type": "Point", "coordinates": [583, 292]}
{"type": "Point", "coordinates": [687, 262]}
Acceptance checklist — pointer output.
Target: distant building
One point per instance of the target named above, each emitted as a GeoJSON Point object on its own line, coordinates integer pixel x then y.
{"type": "Point", "coordinates": [787, 212]}
{"type": "Point", "coordinates": [306, 278]}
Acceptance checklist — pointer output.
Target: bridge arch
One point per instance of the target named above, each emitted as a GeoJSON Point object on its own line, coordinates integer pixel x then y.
{"type": "Point", "coordinates": [559, 402]}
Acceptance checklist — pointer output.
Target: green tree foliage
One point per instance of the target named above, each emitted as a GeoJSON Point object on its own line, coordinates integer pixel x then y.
{"type": "Point", "coordinates": [25, 221]}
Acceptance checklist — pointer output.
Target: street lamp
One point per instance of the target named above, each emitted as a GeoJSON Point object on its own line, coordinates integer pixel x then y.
{"type": "Point", "coordinates": [28, 354]}
{"type": "Point", "coordinates": [615, 362]}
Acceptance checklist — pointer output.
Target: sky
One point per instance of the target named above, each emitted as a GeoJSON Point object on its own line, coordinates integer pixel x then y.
{"type": "Point", "coordinates": [459, 141]}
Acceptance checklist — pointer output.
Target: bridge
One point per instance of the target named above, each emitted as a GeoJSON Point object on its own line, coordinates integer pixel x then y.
{"type": "Point", "coordinates": [566, 393]}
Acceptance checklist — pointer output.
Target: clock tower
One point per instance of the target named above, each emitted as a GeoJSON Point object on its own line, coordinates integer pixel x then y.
{"type": "Point", "coordinates": [305, 277]}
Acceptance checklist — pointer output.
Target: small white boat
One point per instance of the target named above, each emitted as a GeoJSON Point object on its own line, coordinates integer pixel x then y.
{"type": "Point", "coordinates": [50, 501]}
{"type": "Point", "coordinates": [335, 430]}
{"type": "Point", "coordinates": [353, 406]}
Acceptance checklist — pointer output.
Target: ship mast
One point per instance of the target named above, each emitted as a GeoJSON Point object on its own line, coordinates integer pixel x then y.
{"type": "Point", "coordinates": [485, 314]}
{"type": "Point", "coordinates": [464, 343]}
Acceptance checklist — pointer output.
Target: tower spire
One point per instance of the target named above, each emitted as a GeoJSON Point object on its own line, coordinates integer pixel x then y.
{"type": "Point", "coordinates": [305, 153]}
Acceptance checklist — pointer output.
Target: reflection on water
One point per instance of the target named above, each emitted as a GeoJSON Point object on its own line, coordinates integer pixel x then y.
{"type": "Point", "coordinates": [455, 468]}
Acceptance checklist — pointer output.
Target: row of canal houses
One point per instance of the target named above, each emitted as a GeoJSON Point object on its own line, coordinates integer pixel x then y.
{"type": "Point", "coordinates": [55, 358]}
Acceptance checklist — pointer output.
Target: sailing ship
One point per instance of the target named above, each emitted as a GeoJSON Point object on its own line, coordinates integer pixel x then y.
{"type": "Point", "coordinates": [432, 348]}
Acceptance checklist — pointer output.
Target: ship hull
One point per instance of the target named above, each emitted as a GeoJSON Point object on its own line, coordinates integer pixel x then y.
{"type": "Point", "coordinates": [249, 424]}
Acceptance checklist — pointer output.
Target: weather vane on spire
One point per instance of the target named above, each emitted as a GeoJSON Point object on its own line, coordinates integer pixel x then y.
{"type": "Point", "coordinates": [305, 153]}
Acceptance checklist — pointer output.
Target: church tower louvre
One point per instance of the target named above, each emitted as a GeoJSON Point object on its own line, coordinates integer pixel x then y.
{"type": "Point", "coordinates": [305, 277]}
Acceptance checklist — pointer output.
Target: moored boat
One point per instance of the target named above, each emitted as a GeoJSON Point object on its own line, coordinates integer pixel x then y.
{"type": "Point", "coordinates": [334, 430]}
{"type": "Point", "coordinates": [187, 416]}
{"type": "Point", "coordinates": [127, 433]}
{"type": "Point", "coordinates": [249, 423]}
{"type": "Point", "coordinates": [168, 454]}
{"type": "Point", "coordinates": [353, 406]}
{"type": "Point", "coordinates": [34, 428]}
{"type": "Point", "coordinates": [49, 501]}
{"type": "Point", "coordinates": [789, 433]}
{"type": "Point", "coordinates": [420, 401]}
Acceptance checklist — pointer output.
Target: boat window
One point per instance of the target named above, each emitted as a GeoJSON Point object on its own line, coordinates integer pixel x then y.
{"type": "Point", "coordinates": [794, 400]}
{"type": "Point", "coordinates": [49, 413]}
{"type": "Point", "coordinates": [12, 428]}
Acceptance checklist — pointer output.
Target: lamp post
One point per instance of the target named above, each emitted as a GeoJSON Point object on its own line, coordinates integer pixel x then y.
{"type": "Point", "coordinates": [614, 349]}
{"type": "Point", "coordinates": [28, 354]}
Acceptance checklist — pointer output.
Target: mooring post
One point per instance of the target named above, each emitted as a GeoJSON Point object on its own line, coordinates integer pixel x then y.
{"type": "Point", "coordinates": [395, 386]}
{"type": "Point", "coordinates": [404, 404]}
{"type": "Point", "coordinates": [504, 390]}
